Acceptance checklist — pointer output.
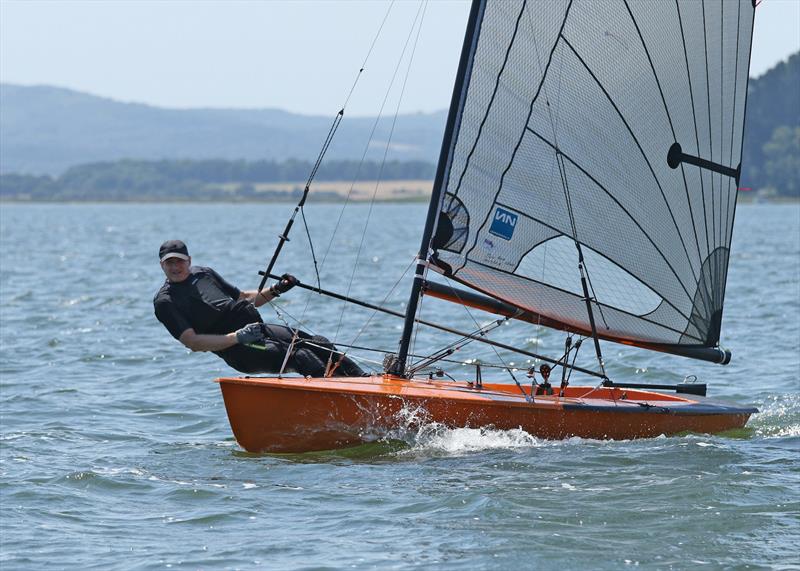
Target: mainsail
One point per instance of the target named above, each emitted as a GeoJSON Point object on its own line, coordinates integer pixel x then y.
{"type": "Point", "coordinates": [614, 124]}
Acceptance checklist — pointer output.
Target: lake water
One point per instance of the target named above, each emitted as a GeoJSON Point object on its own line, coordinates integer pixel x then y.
{"type": "Point", "coordinates": [117, 453]}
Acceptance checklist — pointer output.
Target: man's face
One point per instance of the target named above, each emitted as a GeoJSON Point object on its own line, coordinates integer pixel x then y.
{"type": "Point", "coordinates": [176, 269]}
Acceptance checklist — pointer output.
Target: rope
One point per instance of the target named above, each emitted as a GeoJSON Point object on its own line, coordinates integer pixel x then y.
{"type": "Point", "coordinates": [289, 351]}
{"type": "Point", "coordinates": [369, 52]}
{"type": "Point", "coordinates": [386, 297]}
{"type": "Point", "coordinates": [311, 247]}
{"type": "Point", "coordinates": [420, 11]}
{"type": "Point", "coordinates": [443, 359]}
{"type": "Point", "coordinates": [337, 120]}
{"type": "Point", "coordinates": [321, 265]}
{"type": "Point", "coordinates": [327, 349]}
{"type": "Point", "coordinates": [528, 398]}
{"type": "Point", "coordinates": [279, 313]}
{"type": "Point", "coordinates": [326, 144]}
{"type": "Point", "coordinates": [418, 316]}
{"type": "Point", "coordinates": [455, 346]}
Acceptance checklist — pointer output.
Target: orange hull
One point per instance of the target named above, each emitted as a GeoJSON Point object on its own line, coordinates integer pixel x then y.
{"type": "Point", "coordinates": [294, 414]}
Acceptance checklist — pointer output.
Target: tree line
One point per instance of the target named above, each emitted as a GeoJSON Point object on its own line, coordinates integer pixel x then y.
{"type": "Point", "coordinates": [198, 179]}
{"type": "Point", "coordinates": [771, 153]}
{"type": "Point", "coordinates": [770, 162]}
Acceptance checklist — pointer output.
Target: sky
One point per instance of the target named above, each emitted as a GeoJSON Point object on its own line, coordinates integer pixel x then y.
{"type": "Point", "coordinates": [301, 56]}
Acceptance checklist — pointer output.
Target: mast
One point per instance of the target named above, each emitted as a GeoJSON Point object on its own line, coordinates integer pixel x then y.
{"type": "Point", "coordinates": [453, 118]}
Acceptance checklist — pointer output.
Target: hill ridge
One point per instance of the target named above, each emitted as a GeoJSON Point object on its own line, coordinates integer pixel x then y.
{"type": "Point", "coordinates": [46, 129]}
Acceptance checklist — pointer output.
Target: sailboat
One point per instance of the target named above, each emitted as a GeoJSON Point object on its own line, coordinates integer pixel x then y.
{"type": "Point", "coordinates": [587, 182]}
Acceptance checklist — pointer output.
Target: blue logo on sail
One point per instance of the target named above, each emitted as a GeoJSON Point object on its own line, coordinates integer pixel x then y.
{"type": "Point", "coordinates": [503, 224]}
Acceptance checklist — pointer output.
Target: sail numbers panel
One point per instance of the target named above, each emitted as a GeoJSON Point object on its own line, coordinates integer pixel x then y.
{"type": "Point", "coordinates": [616, 124]}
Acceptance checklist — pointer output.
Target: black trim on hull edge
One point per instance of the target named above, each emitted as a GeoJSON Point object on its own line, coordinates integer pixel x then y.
{"type": "Point", "coordinates": [700, 409]}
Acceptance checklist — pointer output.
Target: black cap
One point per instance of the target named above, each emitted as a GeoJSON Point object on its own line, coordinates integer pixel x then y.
{"type": "Point", "coordinates": [173, 249]}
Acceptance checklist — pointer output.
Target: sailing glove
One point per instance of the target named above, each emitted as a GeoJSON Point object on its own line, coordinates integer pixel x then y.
{"type": "Point", "coordinates": [250, 334]}
{"type": "Point", "coordinates": [287, 282]}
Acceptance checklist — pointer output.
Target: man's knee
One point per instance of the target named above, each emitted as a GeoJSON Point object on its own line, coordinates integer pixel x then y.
{"type": "Point", "coordinates": [307, 362]}
{"type": "Point", "coordinates": [322, 341]}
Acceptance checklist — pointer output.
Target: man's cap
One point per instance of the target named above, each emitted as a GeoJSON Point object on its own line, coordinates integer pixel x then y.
{"type": "Point", "coordinates": [173, 249]}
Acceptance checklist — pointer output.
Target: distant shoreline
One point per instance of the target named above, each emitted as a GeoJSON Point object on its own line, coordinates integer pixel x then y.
{"type": "Point", "coordinates": [177, 200]}
{"type": "Point", "coordinates": [322, 200]}
{"type": "Point", "coordinates": [743, 199]}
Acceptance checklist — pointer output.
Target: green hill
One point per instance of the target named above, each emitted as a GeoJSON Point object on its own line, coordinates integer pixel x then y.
{"type": "Point", "coordinates": [771, 153]}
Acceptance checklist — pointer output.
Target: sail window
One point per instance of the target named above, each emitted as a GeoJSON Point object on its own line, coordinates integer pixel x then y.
{"type": "Point", "coordinates": [555, 263]}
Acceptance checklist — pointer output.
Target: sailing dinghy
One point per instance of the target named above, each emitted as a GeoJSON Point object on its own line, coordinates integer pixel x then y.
{"type": "Point", "coordinates": [587, 182]}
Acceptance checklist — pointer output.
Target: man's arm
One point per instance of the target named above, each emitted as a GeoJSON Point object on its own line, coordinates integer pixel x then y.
{"type": "Point", "coordinates": [207, 342]}
{"type": "Point", "coordinates": [258, 298]}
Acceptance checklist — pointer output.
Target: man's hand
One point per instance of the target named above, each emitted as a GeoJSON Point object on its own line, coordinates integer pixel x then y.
{"type": "Point", "coordinates": [250, 334]}
{"type": "Point", "coordinates": [287, 282]}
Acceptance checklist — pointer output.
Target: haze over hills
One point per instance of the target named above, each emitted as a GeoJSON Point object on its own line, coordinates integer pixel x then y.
{"type": "Point", "coordinates": [95, 148]}
{"type": "Point", "coordinates": [45, 130]}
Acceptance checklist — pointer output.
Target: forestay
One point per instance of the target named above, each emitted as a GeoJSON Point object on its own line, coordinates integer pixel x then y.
{"type": "Point", "coordinates": [633, 112]}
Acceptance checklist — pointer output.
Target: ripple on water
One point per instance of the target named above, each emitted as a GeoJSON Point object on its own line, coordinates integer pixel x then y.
{"type": "Point", "coordinates": [117, 453]}
{"type": "Point", "coordinates": [779, 417]}
{"type": "Point", "coordinates": [433, 438]}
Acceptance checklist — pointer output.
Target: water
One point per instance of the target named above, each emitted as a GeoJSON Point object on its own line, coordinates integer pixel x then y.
{"type": "Point", "coordinates": [117, 454]}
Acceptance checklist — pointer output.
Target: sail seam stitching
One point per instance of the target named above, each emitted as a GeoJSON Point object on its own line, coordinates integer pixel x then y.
{"type": "Point", "coordinates": [580, 297]}
{"type": "Point", "coordinates": [644, 155]}
{"type": "Point", "coordinates": [628, 214]}
{"type": "Point", "coordinates": [491, 102]}
{"type": "Point", "coordinates": [696, 135]}
{"type": "Point", "coordinates": [674, 137]}
{"type": "Point", "coordinates": [522, 135]}
{"type": "Point", "coordinates": [710, 134]}
{"type": "Point", "coordinates": [561, 233]}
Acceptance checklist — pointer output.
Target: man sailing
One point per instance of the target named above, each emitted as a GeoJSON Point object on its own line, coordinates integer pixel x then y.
{"type": "Point", "coordinates": [206, 313]}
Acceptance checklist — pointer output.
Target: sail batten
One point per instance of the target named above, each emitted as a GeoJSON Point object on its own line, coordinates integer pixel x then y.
{"type": "Point", "coordinates": [617, 124]}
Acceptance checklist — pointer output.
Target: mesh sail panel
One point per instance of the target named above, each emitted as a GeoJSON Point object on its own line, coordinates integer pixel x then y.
{"type": "Point", "coordinates": [633, 112]}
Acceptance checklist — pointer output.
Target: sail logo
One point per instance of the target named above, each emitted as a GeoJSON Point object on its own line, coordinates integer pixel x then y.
{"type": "Point", "coordinates": [503, 223]}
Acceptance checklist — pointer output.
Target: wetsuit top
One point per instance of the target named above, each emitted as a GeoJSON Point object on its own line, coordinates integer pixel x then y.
{"type": "Point", "coordinates": [202, 302]}
{"type": "Point", "coordinates": [208, 304]}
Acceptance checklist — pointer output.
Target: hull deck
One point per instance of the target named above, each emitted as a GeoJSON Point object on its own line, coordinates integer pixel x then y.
{"type": "Point", "coordinates": [294, 414]}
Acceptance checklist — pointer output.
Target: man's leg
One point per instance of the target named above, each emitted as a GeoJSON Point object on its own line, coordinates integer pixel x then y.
{"type": "Point", "coordinates": [307, 362]}
{"type": "Point", "coordinates": [343, 366]}
{"type": "Point", "coordinates": [311, 354]}
{"type": "Point", "coordinates": [255, 361]}
{"type": "Point", "coordinates": [304, 359]}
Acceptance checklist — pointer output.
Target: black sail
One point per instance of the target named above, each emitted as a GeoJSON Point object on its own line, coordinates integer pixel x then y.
{"type": "Point", "coordinates": [614, 123]}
